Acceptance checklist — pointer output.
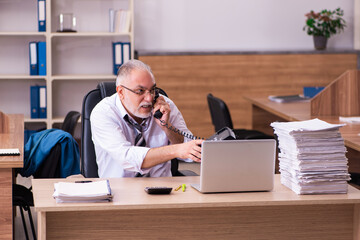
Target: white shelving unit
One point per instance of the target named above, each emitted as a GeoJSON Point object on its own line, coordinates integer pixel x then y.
{"type": "Point", "coordinates": [76, 61]}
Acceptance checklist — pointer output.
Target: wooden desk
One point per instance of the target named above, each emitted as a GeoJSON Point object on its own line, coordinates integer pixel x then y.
{"type": "Point", "coordinates": [280, 214]}
{"type": "Point", "coordinates": [11, 136]}
{"type": "Point", "coordinates": [265, 112]}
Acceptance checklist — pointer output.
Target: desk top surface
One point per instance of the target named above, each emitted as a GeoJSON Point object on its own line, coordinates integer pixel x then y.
{"type": "Point", "coordinates": [129, 194]}
{"type": "Point", "coordinates": [13, 138]}
{"type": "Point", "coordinates": [299, 111]}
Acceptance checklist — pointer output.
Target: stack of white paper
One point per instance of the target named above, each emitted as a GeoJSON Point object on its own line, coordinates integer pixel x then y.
{"type": "Point", "coordinates": [312, 157]}
{"type": "Point", "coordinates": [98, 191]}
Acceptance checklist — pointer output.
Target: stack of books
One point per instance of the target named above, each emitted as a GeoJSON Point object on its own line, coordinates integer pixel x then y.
{"type": "Point", "coordinates": [312, 157]}
{"type": "Point", "coordinates": [120, 20]}
{"type": "Point", "coordinates": [83, 191]}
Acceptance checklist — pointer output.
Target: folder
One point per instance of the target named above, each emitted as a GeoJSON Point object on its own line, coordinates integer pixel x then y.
{"type": "Point", "coordinates": [117, 21]}
{"type": "Point", "coordinates": [42, 102]}
{"type": "Point", "coordinates": [310, 92]}
{"type": "Point", "coordinates": [117, 56]}
{"type": "Point", "coordinates": [111, 20]}
{"type": "Point", "coordinates": [126, 51]}
{"type": "Point", "coordinates": [34, 101]}
{"type": "Point", "coordinates": [33, 58]}
{"type": "Point", "coordinates": [41, 16]}
{"type": "Point", "coordinates": [127, 22]}
{"type": "Point", "coordinates": [42, 58]}
{"type": "Point", "coordinates": [122, 21]}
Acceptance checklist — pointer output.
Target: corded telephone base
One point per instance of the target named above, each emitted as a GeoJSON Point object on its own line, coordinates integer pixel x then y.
{"type": "Point", "coordinates": [223, 134]}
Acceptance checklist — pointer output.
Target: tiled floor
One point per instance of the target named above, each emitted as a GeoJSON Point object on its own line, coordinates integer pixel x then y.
{"type": "Point", "coordinates": [19, 231]}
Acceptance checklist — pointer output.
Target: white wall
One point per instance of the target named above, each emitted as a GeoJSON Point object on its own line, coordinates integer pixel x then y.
{"type": "Point", "coordinates": [357, 24]}
{"type": "Point", "coordinates": [233, 25]}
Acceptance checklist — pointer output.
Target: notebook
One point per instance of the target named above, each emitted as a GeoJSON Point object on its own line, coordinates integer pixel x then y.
{"type": "Point", "coordinates": [237, 166]}
{"type": "Point", "coordinates": [9, 151]}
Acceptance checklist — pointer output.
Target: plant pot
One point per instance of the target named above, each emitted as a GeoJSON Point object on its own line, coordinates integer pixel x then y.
{"type": "Point", "coordinates": [320, 42]}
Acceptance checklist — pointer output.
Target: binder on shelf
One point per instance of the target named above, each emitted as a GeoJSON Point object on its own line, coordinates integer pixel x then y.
{"type": "Point", "coordinates": [121, 54]}
{"type": "Point", "coordinates": [42, 58]}
{"type": "Point", "coordinates": [34, 101]}
{"type": "Point", "coordinates": [33, 58]}
{"type": "Point", "coordinates": [111, 20]}
{"type": "Point", "coordinates": [38, 102]}
{"type": "Point", "coordinates": [42, 102]}
{"type": "Point", "coordinates": [126, 51]}
{"type": "Point", "coordinates": [41, 16]}
{"type": "Point", "coordinates": [127, 21]}
{"type": "Point", "coordinates": [117, 56]}
{"type": "Point", "coordinates": [122, 21]}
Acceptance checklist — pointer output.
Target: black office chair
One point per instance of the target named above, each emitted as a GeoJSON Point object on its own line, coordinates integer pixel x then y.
{"type": "Point", "coordinates": [220, 117]}
{"type": "Point", "coordinates": [89, 166]}
{"type": "Point", "coordinates": [70, 121]}
{"type": "Point", "coordinates": [22, 196]}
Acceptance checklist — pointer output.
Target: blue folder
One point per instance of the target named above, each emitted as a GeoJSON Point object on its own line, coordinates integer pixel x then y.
{"type": "Point", "coordinates": [33, 58]}
{"type": "Point", "coordinates": [42, 58]}
{"type": "Point", "coordinates": [41, 15]}
{"type": "Point", "coordinates": [117, 56]}
{"type": "Point", "coordinates": [310, 92]}
{"type": "Point", "coordinates": [34, 101]}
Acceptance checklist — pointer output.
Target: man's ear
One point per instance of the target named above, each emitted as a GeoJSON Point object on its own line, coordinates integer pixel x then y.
{"type": "Point", "coordinates": [120, 90]}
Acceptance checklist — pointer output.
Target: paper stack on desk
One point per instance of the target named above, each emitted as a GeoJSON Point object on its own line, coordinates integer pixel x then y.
{"type": "Point", "coordinates": [98, 191]}
{"type": "Point", "coordinates": [312, 157]}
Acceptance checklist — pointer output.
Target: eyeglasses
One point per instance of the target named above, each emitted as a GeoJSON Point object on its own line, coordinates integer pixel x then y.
{"type": "Point", "coordinates": [141, 91]}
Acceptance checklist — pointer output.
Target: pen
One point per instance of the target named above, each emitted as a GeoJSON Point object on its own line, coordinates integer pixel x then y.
{"type": "Point", "coordinates": [183, 187]}
{"type": "Point", "coordinates": [176, 189]}
{"type": "Point", "coordinates": [86, 181]}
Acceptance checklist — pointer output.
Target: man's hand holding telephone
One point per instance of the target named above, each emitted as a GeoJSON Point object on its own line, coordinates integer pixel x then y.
{"type": "Point", "coordinates": [192, 149]}
{"type": "Point", "coordinates": [161, 109]}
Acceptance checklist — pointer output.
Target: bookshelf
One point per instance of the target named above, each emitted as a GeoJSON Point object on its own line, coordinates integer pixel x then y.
{"type": "Point", "coordinates": [76, 61]}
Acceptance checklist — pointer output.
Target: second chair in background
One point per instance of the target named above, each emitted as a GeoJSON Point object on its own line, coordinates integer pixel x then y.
{"type": "Point", "coordinates": [70, 122]}
{"type": "Point", "coordinates": [220, 117]}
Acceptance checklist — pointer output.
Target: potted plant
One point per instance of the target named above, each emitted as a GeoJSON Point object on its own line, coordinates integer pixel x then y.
{"type": "Point", "coordinates": [322, 25]}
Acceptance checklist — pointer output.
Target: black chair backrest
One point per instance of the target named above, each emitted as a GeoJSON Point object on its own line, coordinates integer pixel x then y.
{"type": "Point", "coordinates": [89, 166]}
{"type": "Point", "coordinates": [107, 89]}
{"type": "Point", "coordinates": [70, 122]}
{"type": "Point", "coordinates": [220, 115]}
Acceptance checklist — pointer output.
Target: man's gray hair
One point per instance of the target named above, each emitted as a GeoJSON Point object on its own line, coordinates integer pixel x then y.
{"type": "Point", "coordinates": [126, 69]}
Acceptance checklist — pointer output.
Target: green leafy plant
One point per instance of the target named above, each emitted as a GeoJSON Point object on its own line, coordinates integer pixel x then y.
{"type": "Point", "coordinates": [325, 23]}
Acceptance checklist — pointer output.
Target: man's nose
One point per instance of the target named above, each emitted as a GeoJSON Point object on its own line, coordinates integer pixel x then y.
{"type": "Point", "coordinates": [148, 96]}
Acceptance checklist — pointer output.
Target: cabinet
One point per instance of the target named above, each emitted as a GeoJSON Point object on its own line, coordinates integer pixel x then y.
{"type": "Point", "coordinates": [76, 61]}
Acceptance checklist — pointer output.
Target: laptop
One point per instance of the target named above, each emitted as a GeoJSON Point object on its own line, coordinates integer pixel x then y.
{"type": "Point", "coordinates": [237, 166]}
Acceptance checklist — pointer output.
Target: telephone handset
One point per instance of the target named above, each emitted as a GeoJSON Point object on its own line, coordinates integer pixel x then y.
{"type": "Point", "coordinates": [157, 114]}
{"type": "Point", "coordinates": [223, 134]}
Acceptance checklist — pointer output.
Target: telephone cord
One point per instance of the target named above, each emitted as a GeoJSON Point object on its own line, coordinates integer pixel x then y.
{"type": "Point", "coordinates": [178, 131]}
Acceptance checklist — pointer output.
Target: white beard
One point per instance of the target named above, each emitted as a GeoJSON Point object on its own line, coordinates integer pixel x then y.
{"type": "Point", "coordinates": [135, 110]}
